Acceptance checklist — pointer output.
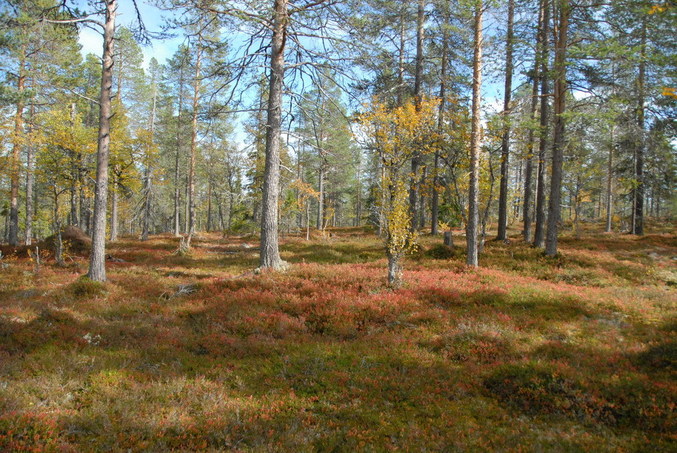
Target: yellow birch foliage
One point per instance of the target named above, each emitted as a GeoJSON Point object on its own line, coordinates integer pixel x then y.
{"type": "Point", "coordinates": [397, 134]}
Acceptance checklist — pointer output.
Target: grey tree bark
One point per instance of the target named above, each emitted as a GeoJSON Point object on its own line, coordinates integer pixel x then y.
{"type": "Point", "coordinates": [148, 190]}
{"type": "Point", "coordinates": [114, 208]}
{"type": "Point", "coordinates": [416, 159]}
{"type": "Point", "coordinates": [638, 193]}
{"type": "Point", "coordinates": [13, 237]}
{"type": "Point", "coordinates": [505, 141]}
{"type": "Point", "coordinates": [475, 142]}
{"type": "Point", "coordinates": [270, 252]}
{"type": "Point", "coordinates": [560, 123]}
{"type": "Point", "coordinates": [539, 233]}
{"type": "Point", "coordinates": [193, 144]}
{"type": "Point", "coordinates": [30, 180]}
{"type": "Point", "coordinates": [177, 157]}
{"type": "Point", "coordinates": [97, 260]}
{"type": "Point", "coordinates": [528, 171]}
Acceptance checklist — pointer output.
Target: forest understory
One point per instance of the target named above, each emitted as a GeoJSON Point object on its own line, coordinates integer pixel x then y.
{"type": "Point", "coordinates": [200, 352]}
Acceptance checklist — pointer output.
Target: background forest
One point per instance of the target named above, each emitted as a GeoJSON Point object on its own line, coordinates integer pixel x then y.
{"type": "Point", "coordinates": [586, 119]}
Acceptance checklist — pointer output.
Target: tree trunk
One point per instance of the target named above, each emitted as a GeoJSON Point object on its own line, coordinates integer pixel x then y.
{"type": "Point", "coordinates": [114, 210]}
{"type": "Point", "coordinates": [539, 233]}
{"type": "Point", "coordinates": [434, 203]}
{"type": "Point", "coordinates": [558, 139]}
{"type": "Point", "coordinates": [193, 144]}
{"type": "Point", "coordinates": [177, 159]}
{"type": "Point", "coordinates": [609, 185]}
{"type": "Point", "coordinates": [30, 180]}
{"type": "Point", "coordinates": [97, 263]}
{"type": "Point", "coordinates": [528, 171]}
{"type": "Point", "coordinates": [320, 196]}
{"type": "Point", "coordinates": [148, 191]}
{"type": "Point", "coordinates": [416, 159]}
{"type": "Point", "coordinates": [209, 204]}
{"type": "Point", "coordinates": [16, 157]}
{"type": "Point", "coordinates": [475, 142]}
{"type": "Point", "coordinates": [394, 270]}
{"type": "Point", "coordinates": [270, 252]}
{"type": "Point", "coordinates": [638, 214]}
{"type": "Point", "coordinates": [505, 141]}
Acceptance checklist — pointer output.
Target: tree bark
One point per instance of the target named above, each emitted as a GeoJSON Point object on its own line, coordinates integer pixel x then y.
{"type": "Point", "coordinates": [16, 157]}
{"type": "Point", "coordinates": [558, 139]}
{"type": "Point", "coordinates": [114, 209]}
{"type": "Point", "coordinates": [418, 78]}
{"type": "Point", "coordinates": [539, 233]}
{"type": "Point", "coordinates": [609, 185]}
{"type": "Point", "coordinates": [193, 144]}
{"type": "Point", "coordinates": [528, 172]}
{"type": "Point", "coordinates": [320, 195]}
{"type": "Point", "coordinates": [148, 190]}
{"type": "Point", "coordinates": [505, 141]}
{"type": "Point", "coordinates": [638, 213]}
{"type": "Point", "coordinates": [30, 180]}
{"type": "Point", "coordinates": [177, 158]}
{"type": "Point", "coordinates": [475, 142]}
{"type": "Point", "coordinates": [97, 262]}
{"type": "Point", "coordinates": [270, 253]}
{"type": "Point", "coordinates": [434, 203]}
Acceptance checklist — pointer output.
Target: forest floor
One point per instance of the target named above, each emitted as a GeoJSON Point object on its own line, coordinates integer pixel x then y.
{"type": "Point", "coordinates": [526, 353]}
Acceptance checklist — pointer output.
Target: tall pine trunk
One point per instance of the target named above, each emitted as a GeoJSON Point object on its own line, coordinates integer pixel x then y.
{"type": "Point", "coordinates": [418, 80]}
{"type": "Point", "coordinates": [114, 208]}
{"type": "Point", "coordinates": [638, 193]}
{"type": "Point", "coordinates": [193, 144]}
{"type": "Point", "coordinates": [270, 252]}
{"type": "Point", "coordinates": [505, 141]}
{"type": "Point", "coordinates": [554, 206]}
{"type": "Point", "coordinates": [148, 190]}
{"type": "Point", "coordinates": [435, 201]}
{"type": "Point", "coordinates": [528, 172]}
{"type": "Point", "coordinates": [97, 262]}
{"type": "Point", "coordinates": [16, 155]}
{"type": "Point", "coordinates": [609, 184]}
{"type": "Point", "coordinates": [30, 180]}
{"type": "Point", "coordinates": [475, 142]}
{"type": "Point", "coordinates": [539, 233]}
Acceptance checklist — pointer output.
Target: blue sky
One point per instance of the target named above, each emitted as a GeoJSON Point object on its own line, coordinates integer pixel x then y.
{"type": "Point", "coordinates": [153, 18]}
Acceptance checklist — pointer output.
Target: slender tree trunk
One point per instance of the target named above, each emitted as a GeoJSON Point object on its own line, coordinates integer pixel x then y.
{"type": "Point", "coordinates": [505, 141]}
{"type": "Point", "coordinates": [58, 242]}
{"type": "Point", "coordinates": [422, 199]}
{"type": "Point", "coordinates": [475, 142]}
{"type": "Point", "coordinates": [270, 252]}
{"type": "Point", "coordinates": [193, 144]}
{"type": "Point", "coordinates": [434, 204]}
{"type": "Point", "coordinates": [177, 159]}
{"type": "Point", "coordinates": [320, 196]}
{"type": "Point", "coordinates": [539, 233]}
{"type": "Point", "coordinates": [528, 171]}
{"type": "Point", "coordinates": [416, 159]}
{"type": "Point", "coordinates": [609, 184]}
{"type": "Point", "coordinates": [97, 262]}
{"type": "Point", "coordinates": [30, 179]}
{"type": "Point", "coordinates": [638, 214]}
{"type": "Point", "coordinates": [73, 190]}
{"type": "Point", "coordinates": [114, 209]}
{"type": "Point", "coordinates": [148, 192]}
{"type": "Point", "coordinates": [558, 139]}
{"type": "Point", "coordinates": [209, 204]}
{"type": "Point", "coordinates": [16, 157]}
{"type": "Point", "coordinates": [400, 63]}
{"type": "Point", "coordinates": [358, 193]}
